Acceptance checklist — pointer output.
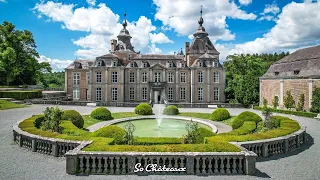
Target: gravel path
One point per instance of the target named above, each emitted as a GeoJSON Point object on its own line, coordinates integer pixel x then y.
{"type": "Point", "coordinates": [19, 163]}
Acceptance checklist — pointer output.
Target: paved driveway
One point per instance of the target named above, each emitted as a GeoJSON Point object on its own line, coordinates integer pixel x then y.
{"type": "Point", "coordinates": [21, 164]}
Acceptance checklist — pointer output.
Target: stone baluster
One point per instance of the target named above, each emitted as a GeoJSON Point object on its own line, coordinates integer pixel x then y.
{"type": "Point", "coordinates": [222, 171]}
{"type": "Point", "coordinates": [298, 141]}
{"type": "Point", "coordinates": [203, 171]}
{"type": "Point", "coordinates": [124, 165]}
{"type": "Point", "coordinates": [265, 150]}
{"type": "Point", "coordinates": [286, 146]}
{"type": "Point", "coordinates": [197, 166]}
{"type": "Point", "coordinates": [234, 165]}
{"type": "Point", "coordinates": [210, 165]}
{"type": "Point", "coordinates": [105, 166]}
{"type": "Point", "coordinates": [112, 165]}
{"type": "Point", "coordinates": [81, 164]}
{"type": "Point", "coordinates": [228, 166]}
{"type": "Point", "coordinates": [176, 162]}
{"type": "Point", "coordinates": [34, 145]}
{"type": "Point", "coordinates": [94, 165]}
{"type": "Point", "coordinates": [216, 166]}
{"type": "Point", "coordinates": [55, 149]}
{"type": "Point", "coordinates": [117, 165]}
{"type": "Point", "coordinates": [182, 165]}
{"type": "Point", "coordinates": [87, 169]}
{"type": "Point", "coordinates": [240, 165]}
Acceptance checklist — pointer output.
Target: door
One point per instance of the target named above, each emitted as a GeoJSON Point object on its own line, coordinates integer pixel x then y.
{"type": "Point", "coordinates": [156, 95]}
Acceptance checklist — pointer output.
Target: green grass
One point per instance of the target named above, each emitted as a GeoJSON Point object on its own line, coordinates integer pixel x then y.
{"type": "Point", "coordinates": [123, 115]}
{"type": "Point", "coordinates": [247, 128]}
{"type": "Point", "coordinates": [196, 115]}
{"type": "Point", "coordinates": [89, 121]}
{"type": "Point", "coordinates": [296, 113]}
{"type": "Point", "coordinates": [9, 105]}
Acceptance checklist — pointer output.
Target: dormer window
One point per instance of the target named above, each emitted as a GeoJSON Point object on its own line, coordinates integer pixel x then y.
{"type": "Point", "coordinates": [296, 72]}
{"type": "Point", "coordinates": [132, 64]}
{"type": "Point", "coordinates": [114, 63]}
{"type": "Point", "coordinates": [145, 64]}
{"type": "Point", "coordinates": [183, 65]}
{"type": "Point", "coordinates": [276, 73]}
{"type": "Point", "coordinates": [129, 57]}
{"type": "Point", "coordinates": [99, 63]}
{"type": "Point", "coordinates": [171, 65]}
{"type": "Point", "coordinates": [200, 64]}
{"type": "Point", "coordinates": [215, 64]}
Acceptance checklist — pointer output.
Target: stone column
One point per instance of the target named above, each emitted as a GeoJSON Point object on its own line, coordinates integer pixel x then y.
{"type": "Point", "coordinates": [192, 85]}
{"type": "Point", "coordinates": [310, 83]}
{"type": "Point", "coordinates": [122, 99]}
{"type": "Point", "coordinates": [107, 83]}
{"type": "Point", "coordinates": [264, 150]}
{"type": "Point", "coordinates": [34, 145]}
{"type": "Point", "coordinates": [208, 85]}
{"type": "Point", "coordinates": [190, 165]}
{"type": "Point", "coordinates": [176, 79]}
{"type": "Point", "coordinates": [286, 146]}
{"type": "Point", "coordinates": [281, 93]}
{"type": "Point", "coordinates": [250, 163]}
{"type": "Point", "coordinates": [55, 149]}
{"type": "Point", "coordinates": [71, 163]}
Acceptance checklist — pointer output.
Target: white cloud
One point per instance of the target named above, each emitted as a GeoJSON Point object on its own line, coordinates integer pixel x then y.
{"type": "Point", "coordinates": [269, 12]}
{"type": "Point", "coordinates": [56, 64]}
{"type": "Point", "coordinates": [245, 2]}
{"type": "Point", "coordinates": [153, 49]}
{"type": "Point", "coordinates": [159, 38]}
{"type": "Point", "coordinates": [183, 15]}
{"type": "Point", "coordinates": [3, 1]}
{"type": "Point", "coordinates": [91, 2]}
{"type": "Point", "coordinates": [267, 18]}
{"type": "Point", "coordinates": [297, 26]}
{"type": "Point", "coordinates": [101, 24]}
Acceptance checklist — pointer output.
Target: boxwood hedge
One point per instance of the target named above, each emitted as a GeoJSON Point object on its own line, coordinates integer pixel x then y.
{"type": "Point", "coordinates": [220, 114]}
{"type": "Point", "coordinates": [143, 109]}
{"type": "Point", "coordinates": [171, 110]}
{"type": "Point", "coordinates": [245, 116]}
{"type": "Point", "coordinates": [73, 116]}
{"type": "Point", "coordinates": [21, 95]}
{"type": "Point", "coordinates": [101, 113]}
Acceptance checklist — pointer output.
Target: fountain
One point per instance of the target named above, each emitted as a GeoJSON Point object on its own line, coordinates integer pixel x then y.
{"type": "Point", "coordinates": [158, 112]}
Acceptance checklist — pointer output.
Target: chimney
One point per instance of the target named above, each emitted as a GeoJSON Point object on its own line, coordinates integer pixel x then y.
{"type": "Point", "coordinates": [187, 48]}
{"type": "Point", "coordinates": [113, 45]}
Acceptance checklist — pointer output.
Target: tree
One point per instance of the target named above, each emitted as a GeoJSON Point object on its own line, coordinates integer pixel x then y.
{"type": "Point", "coordinates": [315, 101]}
{"type": "Point", "coordinates": [288, 100]}
{"type": "Point", "coordinates": [18, 57]}
{"type": "Point", "coordinates": [275, 102]}
{"type": "Point", "coordinates": [300, 106]}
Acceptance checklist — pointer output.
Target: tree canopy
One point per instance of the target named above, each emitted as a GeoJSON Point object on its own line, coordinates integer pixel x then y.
{"type": "Point", "coordinates": [18, 57]}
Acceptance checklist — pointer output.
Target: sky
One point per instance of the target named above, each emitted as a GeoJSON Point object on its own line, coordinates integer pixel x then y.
{"type": "Point", "coordinates": [65, 30]}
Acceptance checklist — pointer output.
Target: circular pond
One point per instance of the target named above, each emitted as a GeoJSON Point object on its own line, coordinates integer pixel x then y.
{"type": "Point", "coordinates": [168, 127]}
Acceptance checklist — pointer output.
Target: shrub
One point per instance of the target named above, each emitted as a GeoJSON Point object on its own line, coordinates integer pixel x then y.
{"type": "Point", "coordinates": [296, 113]}
{"type": "Point", "coordinates": [73, 116]}
{"type": "Point", "coordinates": [245, 116]}
{"type": "Point", "coordinates": [112, 131]}
{"type": "Point", "coordinates": [68, 128]}
{"type": "Point", "coordinates": [220, 114]}
{"type": "Point", "coordinates": [315, 101]}
{"type": "Point", "coordinates": [288, 100]}
{"type": "Point", "coordinates": [52, 119]}
{"type": "Point", "coordinates": [171, 110]}
{"type": "Point", "coordinates": [21, 95]}
{"type": "Point", "coordinates": [38, 121]}
{"type": "Point", "coordinates": [143, 109]}
{"type": "Point", "coordinates": [300, 105]}
{"type": "Point", "coordinates": [101, 113]}
{"type": "Point", "coordinates": [247, 128]}
{"type": "Point", "coordinates": [275, 102]}
{"type": "Point", "coordinates": [202, 133]}
{"type": "Point", "coordinates": [156, 141]}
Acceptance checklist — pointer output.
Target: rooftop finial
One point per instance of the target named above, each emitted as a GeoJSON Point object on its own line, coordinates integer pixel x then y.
{"type": "Point", "coordinates": [201, 19]}
{"type": "Point", "coordinates": [124, 24]}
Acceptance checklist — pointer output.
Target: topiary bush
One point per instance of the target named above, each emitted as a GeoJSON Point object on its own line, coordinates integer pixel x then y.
{"type": "Point", "coordinates": [171, 110]}
{"type": "Point", "coordinates": [245, 116]}
{"type": "Point", "coordinates": [73, 116]}
{"type": "Point", "coordinates": [101, 113]}
{"type": "Point", "coordinates": [202, 133]}
{"type": "Point", "coordinates": [143, 109]}
{"type": "Point", "coordinates": [220, 114]}
{"type": "Point", "coordinates": [112, 131]}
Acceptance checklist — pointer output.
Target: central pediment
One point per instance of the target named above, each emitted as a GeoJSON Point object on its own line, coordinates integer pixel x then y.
{"type": "Point", "coordinates": [158, 66]}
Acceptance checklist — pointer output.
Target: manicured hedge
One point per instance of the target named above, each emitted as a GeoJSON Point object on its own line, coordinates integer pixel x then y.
{"type": "Point", "coordinates": [156, 141]}
{"type": "Point", "coordinates": [73, 116]}
{"type": "Point", "coordinates": [220, 114]}
{"type": "Point", "coordinates": [143, 109]}
{"type": "Point", "coordinates": [171, 110]}
{"type": "Point", "coordinates": [247, 128]}
{"type": "Point", "coordinates": [101, 113]}
{"type": "Point", "coordinates": [21, 95]}
{"type": "Point", "coordinates": [245, 116]}
{"type": "Point", "coordinates": [112, 131]}
{"type": "Point", "coordinates": [70, 129]}
{"type": "Point", "coordinates": [203, 132]}
{"type": "Point", "coordinates": [296, 113]}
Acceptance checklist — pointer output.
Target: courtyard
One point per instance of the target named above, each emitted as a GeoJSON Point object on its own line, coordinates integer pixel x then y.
{"type": "Point", "coordinates": [21, 163]}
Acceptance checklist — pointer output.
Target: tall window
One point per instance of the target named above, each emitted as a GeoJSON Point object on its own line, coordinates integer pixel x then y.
{"type": "Point", "coordinates": [98, 94]}
{"type": "Point", "coordinates": [216, 94]}
{"type": "Point", "coordinates": [131, 93]}
{"type": "Point", "coordinates": [76, 78]}
{"type": "Point", "coordinates": [200, 77]}
{"type": "Point", "coordinates": [170, 77]}
{"type": "Point", "coordinates": [88, 77]}
{"type": "Point", "coordinates": [183, 93]}
{"type": "Point", "coordinates": [144, 93]}
{"type": "Point", "coordinates": [131, 77]}
{"type": "Point", "coordinates": [170, 65]}
{"type": "Point", "coordinates": [99, 77]}
{"type": "Point", "coordinates": [216, 77]}
{"type": "Point", "coordinates": [200, 94]}
{"type": "Point", "coordinates": [144, 77]}
{"type": "Point", "coordinates": [145, 65]}
{"type": "Point", "coordinates": [157, 77]}
{"type": "Point", "coordinates": [114, 77]}
{"type": "Point", "coordinates": [183, 77]}
{"type": "Point", "coordinates": [114, 94]}
{"type": "Point", "coordinates": [170, 93]}
{"type": "Point", "coordinates": [76, 94]}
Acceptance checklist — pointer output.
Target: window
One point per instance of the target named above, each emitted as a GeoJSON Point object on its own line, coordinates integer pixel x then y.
{"type": "Point", "coordinates": [170, 93]}
{"type": "Point", "coordinates": [200, 94]}
{"type": "Point", "coordinates": [183, 65]}
{"type": "Point", "coordinates": [88, 77]}
{"type": "Point", "coordinates": [99, 77]}
{"type": "Point", "coordinates": [114, 77]}
{"type": "Point", "coordinates": [131, 93]}
{"type": "Point", "coordinates": [183, 77]}
{"type": "Point", "coordinates": [114, 63]}
{"type": "Point", "coordinates": [129, 57]}
{"type": "Point", "coordinates": [145, 64]}
{"type": "Point", "coordinates": [98, 94]}
{"type": "Point", "coordinates": [276, 73]}
{"type": "Point", "coordinates": [144, 93]}
{"type": "Point", "coordinates": [131, 77]}
{"type": "Point", "coordinates": [216, 94]}
{"type": "Point", "coordinates": [76, 78]}
{"type": "Point", "coordinates": [76, 94]}
{"type": "Point", "coordinates": [144, 77]}
{"type": "Point", "coordinates": [114, 94]}
{"type": "Point", "coordinates": [99, 63]}
{"type": "Point", "coordinates": [215, 64]}
{"type": "Point", "coordinates": [200, 64]}
{"type": "Point", "coordinates": [216, 77]}
{"type": "Point", "coordinates": [296, 72]}
{"type": "Point", "coordinates": [200, 77]}
{"type": "Point", "coordinates": [132, 64]}
{"type": "Point", "coordinates": [170, 65]}
{"type": "Point", "coordinates": [170, 77]}
{"type": "Point", "coordinates": [183, 93]}
{"type": "Point", "coordinates": [157, 77]}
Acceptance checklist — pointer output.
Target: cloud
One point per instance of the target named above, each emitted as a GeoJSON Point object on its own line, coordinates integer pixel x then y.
{"type": "Point", "coordinates": [269, 12]}
{"type": "Point", "coordinates": [245, 2]}
{"type": "Point", "coordinates": [91, 2]}
{"type": "Point", "coordinates": [297, 26]}
{"type": "Point", "coordinates": [153, 49]}
{"type": "Point", "coordinates": [56, 64]}
{"type": "Point", "coordinates": [182, 16]}
{"type": "Point", "coordinates": [102, 25]}
{"type": "Point", "coordinates": [3, 1]}
{"type": "Point", "coordinates": [159, 38]}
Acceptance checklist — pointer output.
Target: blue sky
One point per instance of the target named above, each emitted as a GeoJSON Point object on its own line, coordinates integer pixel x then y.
{"type": "Point", "coordinates": [69, 29]}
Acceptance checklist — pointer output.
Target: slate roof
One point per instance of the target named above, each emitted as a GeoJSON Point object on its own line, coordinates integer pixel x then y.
{"type": "Point", "coordinates": [304, 61]}
{"type": "Point", "coordinates": [84, 64]}
{"type": "Point", "coordinates": [158, 57]}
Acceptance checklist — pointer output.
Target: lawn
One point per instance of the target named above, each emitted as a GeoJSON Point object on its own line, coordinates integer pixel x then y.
{"type": "Point", "coordinates": [205, 116]}
{"type": "Point", "coordinates": [89, 121]}
{"type": "Point", "coordinates": [9, 105]}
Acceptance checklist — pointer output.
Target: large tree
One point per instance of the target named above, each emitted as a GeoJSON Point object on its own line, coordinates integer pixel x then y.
{"type": "Point", "coordinates": [18, 57]}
